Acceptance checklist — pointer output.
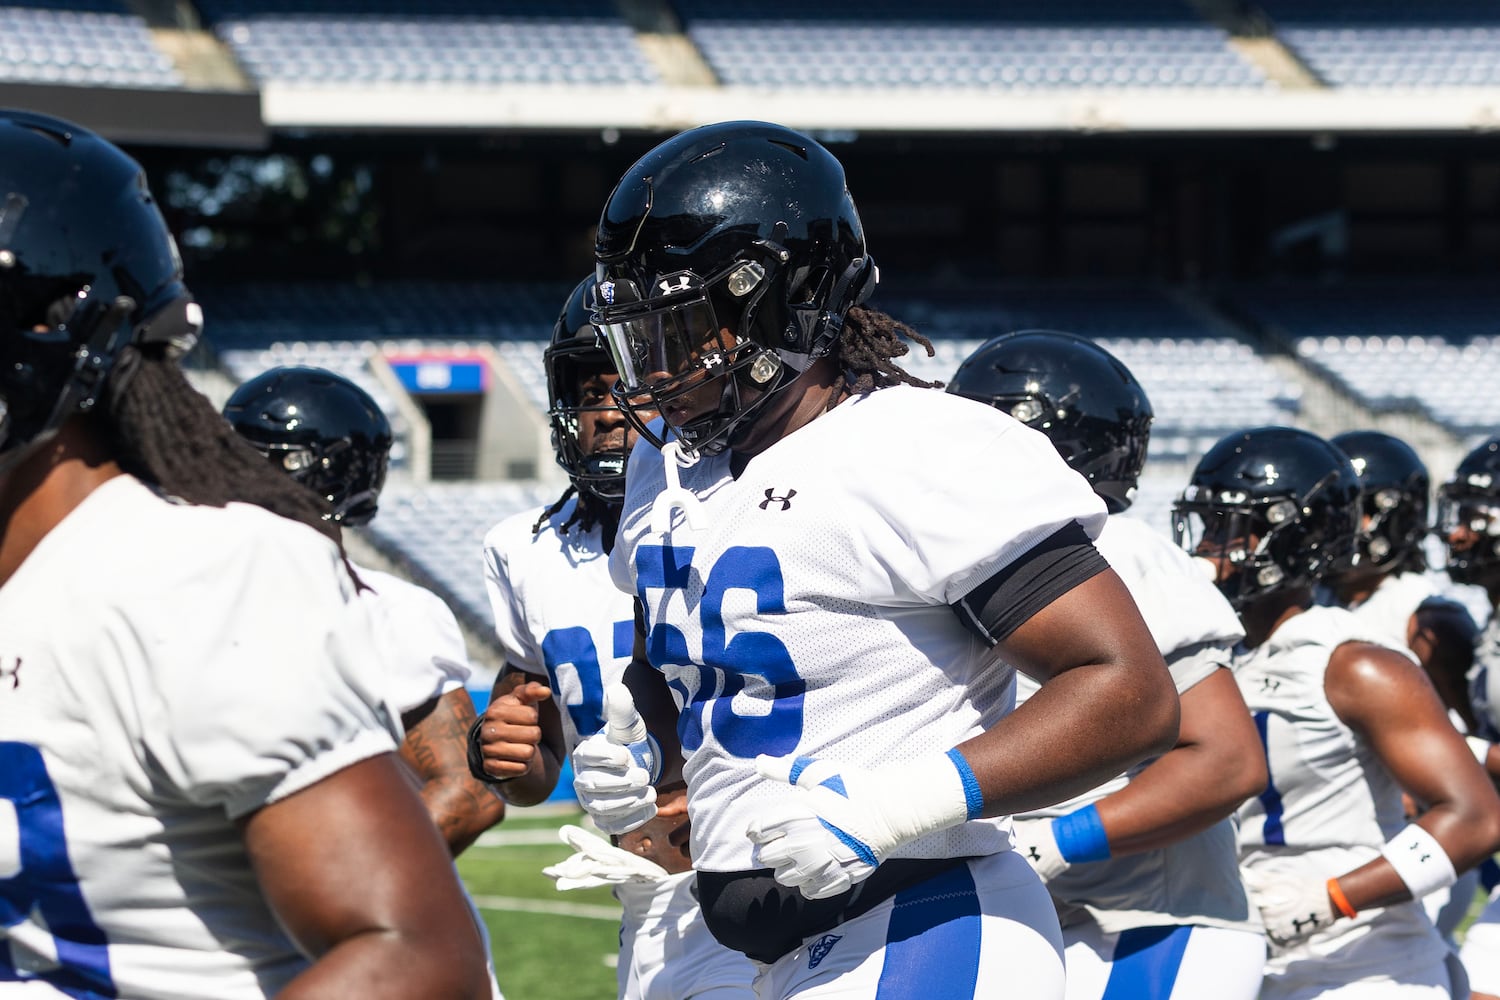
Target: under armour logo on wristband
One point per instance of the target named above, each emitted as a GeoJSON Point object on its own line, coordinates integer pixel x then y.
{"type": "Point", "coordinates": [771, 497]}
{"type": "Point", "coordinates": [819, 949]}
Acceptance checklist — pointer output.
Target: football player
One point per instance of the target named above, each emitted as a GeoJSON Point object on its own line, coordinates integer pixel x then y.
{"type": "Point", "coordinates": [1389, 590]}
{"type": "Point", "coordinates": [1468, 519]}
{"type": "Point", "coordinates": [1143, 868]}
{"type": "Point", "coordinates": [837, 571]}
{"type": "Point", "coordinates": [1326, 850]}
{"type": "Point", "coordinates": [329, 435]}
{"type": "Point", "coordinates": [568, 632]}
{"type": "Point", "coordinates": [199, 792]}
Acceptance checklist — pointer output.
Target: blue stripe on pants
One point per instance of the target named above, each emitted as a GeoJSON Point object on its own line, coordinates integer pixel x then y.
{"type": "Point", "coordinates": [932, 941]}
{"type": "Point", "coordinates": [1145, 963]}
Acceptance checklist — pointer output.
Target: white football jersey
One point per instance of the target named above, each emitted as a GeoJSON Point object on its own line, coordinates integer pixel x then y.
{"type": "Point", "coordinates": [1387, 612]}
{"type": "Point", "coordinates": [558, 614]}
{"type": "Point", "coordinates": [165, 670]}
{"type": "Point", "coordinates": [803, 608]}
{"type": "Point", "coordinates": [423, 644]}
{"type": "Point", "coordinates": [1196, 880]}
{"type": "Point", "coordinates": [1330, 804]}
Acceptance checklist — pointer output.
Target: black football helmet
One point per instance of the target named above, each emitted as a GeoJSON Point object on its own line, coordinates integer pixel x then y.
{"type": "Point", "coordinates": [87, 266]}
{"type": "Point", "coordinates": [1074, 391]}
{"type": "Point", "coordinates": [741, 226]}
{"type": "Point", "coordinates": [1280, 505]}
{"type": "Point", "coordinates": [322, 430]}
{"type": "Point", "coordinates": [575, 351]}
{"type": "Point", "coordinates": [1468, 516]}
{"type": "Point", "coordinates": [1394, 485]}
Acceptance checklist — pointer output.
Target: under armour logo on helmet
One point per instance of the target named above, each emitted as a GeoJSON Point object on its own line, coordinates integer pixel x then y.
{"type": "Point", "coordinates": [667, 287]}
{"type": "Point", "coordinates": [771, 497]}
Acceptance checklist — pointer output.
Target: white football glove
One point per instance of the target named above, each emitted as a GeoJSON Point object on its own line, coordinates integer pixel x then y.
{"type": "Point", "coordinates": [840, 822]}
{"type": "Point", "coordinates": [614, 769]}
{"type": "Point", "coordinates": [1293, 910]}
{"type": "Point", "coordinates": [1036, 843]}
{"type": "Point", "coordinates": [598, 862]}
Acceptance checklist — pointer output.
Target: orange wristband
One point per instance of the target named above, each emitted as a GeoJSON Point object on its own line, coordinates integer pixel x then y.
{"type": "Point", "coordinates": [1336, 893]}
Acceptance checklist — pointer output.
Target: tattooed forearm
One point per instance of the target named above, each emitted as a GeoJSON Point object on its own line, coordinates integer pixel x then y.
{"type": "Point", "coordinates": [461, 807]}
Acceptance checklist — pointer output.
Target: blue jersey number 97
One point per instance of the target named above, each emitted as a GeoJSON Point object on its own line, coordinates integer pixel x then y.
{"type": "Point", "coordinates": [754, 661]}
{"type": "Point", "coordinates": [36, 877]}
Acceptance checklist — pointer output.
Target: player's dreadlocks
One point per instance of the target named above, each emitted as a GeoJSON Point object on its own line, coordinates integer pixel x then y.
{"type": "Point", "coordinates": [163, 431]}
{"type": "Point", "coordinates": [867, 349]}
{"type": "Point", "coordinates": [589, 512]}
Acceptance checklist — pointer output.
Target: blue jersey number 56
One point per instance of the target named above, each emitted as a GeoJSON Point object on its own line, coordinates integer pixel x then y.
{"type": "Point", "coordinates": [755, 661]}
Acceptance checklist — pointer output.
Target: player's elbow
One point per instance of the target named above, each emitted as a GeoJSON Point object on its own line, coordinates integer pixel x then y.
{"type": "Point", "coordinates": [1147, 704]}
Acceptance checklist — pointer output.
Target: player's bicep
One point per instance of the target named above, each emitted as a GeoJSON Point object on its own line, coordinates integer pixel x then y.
{"type": "Point", "coordinates": [1000, 605]}
{"type": "Point", "coordinates": [1390, 702]}
{"type": "Point", "coordinates": [355, 854]}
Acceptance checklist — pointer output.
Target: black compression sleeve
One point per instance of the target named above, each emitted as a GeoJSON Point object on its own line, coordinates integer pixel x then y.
{"type": "Point", "coordinates": [1052, 567]}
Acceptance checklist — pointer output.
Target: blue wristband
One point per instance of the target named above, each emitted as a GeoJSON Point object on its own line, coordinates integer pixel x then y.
{"type": "Point", "coordinates": [973, 797]}
{"type": "Point", "coordinates": [1080, 836]}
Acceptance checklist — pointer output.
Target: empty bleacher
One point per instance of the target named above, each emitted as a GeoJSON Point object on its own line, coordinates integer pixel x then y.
{"type": "Point", "coordinates": [436, 531]}
{"type": "Point", "coordinates": [80, 42]}
{"type": "Point", "coordinates": [1203, 381]}
{"type": "Point", "coordinates": [1393, 43]}
{"type": "Point", "coordinates": [471, 42]}
{"type": "Point", "coordinates": [1433, 347]}
{"type": "Point", "coordinates": [1010, 44]}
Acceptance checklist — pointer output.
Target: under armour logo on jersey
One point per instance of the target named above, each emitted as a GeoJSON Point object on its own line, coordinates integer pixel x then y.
{"type": "Point", "coordinates": [1269, 684]}
{"type": "Point", "coordinates": [819, 949]}
{"type": "Point", "coordinates": [771, 497]}
{"type": "Point", "coordinates": [11, 671]}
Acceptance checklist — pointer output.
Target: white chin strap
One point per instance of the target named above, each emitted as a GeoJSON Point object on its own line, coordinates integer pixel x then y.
{"type": "Point", "coordinates": [674, 497]}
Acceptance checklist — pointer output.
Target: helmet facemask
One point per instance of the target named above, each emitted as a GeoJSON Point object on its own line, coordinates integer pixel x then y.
{"type": "Point", "coordinates": [676, 347]}
{"type": "Point", "coordinates": [1269, 544]}
{"type": "Point", "coordinates": [1473, 514]}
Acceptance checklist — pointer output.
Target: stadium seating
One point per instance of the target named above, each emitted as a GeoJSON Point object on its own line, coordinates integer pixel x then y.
{"type": "Point", "coordinates": [437, 531]}
{"type": "Point", "coordinates": [477, 42]}
{"type": "Point", "coordinates": [1393, 43]}
{"type": "Point", "coordinates": [1202, 380]}
{"type": "Point", "coordinates": [96, 43]}
{"type": "Point", "coordinates": [1395, 346]}
{"type": "Point", "coordinates": [1010, 44]}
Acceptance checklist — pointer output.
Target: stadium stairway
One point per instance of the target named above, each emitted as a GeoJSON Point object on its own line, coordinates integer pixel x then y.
{"type": "Point", "coordinates": [659, 34]}
{"type": "Point", "coordinates": [1251, 35]}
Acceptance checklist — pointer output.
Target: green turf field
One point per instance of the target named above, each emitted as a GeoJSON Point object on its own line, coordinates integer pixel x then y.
{"type": "Point", "coordinates": [548, 945]}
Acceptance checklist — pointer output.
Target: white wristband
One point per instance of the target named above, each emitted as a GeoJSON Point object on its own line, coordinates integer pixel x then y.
{"type": "Point", "coordinates": [1420, 861]}
{"type": "Point", "coordinates": [1481, 749]}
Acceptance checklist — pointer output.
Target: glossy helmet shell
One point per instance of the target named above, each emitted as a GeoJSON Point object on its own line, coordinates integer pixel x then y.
{"type": "Point", "coordinates": [1293, 491]}
{"type": "Point", "coordinates": [87, 266]}
{"type": "Point", "coordinates": [755, 219]}
{"type": "Point", "coordinates": [1395, 486]}
{"type": "Point", "coordinates": [574, 351]}
{"type": "Point", "coordinates": [1074, 391]}
{"type": "Point", "coordinates": [322, 430]}
{"type": "Point", "coordinates": [1476, 482]}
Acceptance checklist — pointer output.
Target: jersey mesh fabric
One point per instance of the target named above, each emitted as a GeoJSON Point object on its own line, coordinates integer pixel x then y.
{"type": "Point", "coordinates": [1331, 804]}
{"type": "Point", "coordinates": [223, 662]}
{"type": "Point", "coordinates": [808, 612]}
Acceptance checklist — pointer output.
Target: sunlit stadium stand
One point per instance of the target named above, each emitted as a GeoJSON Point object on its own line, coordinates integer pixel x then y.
{"type": "Point", "coordinates": [80, 42]}
{"type": "Point", "coordinates": [1202, 380]}
{"type": "Point", "coordinates": [1395, 346]}
{"type": "Point", "coordinates": [479, 42]}
{"type": "Point", "coordinates": [1393, 43]}
{"type": "Point", "coordinates": [1011, 44]}
{"type": "Point", "coordinates": [437, 530]}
